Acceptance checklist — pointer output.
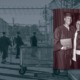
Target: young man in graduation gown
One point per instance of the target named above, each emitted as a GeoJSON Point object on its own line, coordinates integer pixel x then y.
{"type": "Point", "coordinates": [76, 47]}
{"type": "Point", "coordinates": [62, 54]}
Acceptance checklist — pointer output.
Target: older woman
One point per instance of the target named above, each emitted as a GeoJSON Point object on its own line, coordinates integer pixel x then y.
{"type": "Point", "coordinates": [76, 45]}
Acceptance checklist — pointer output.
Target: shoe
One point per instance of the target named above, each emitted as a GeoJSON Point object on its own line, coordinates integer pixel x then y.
{"type": "Point", "coordinates": [57, 72]}
{"type": "Point", "coordinates": [17, 57]}
{"type": "Point", "coordinates": [3, 62]}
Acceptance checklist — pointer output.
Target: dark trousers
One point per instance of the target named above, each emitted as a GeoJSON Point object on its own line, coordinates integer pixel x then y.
{"type": "Point", "coordinates": [76, 64]}
{"type": "Point", "coordinates": [78, 61]}
{"type": "Point", "coordinates": [18, 51]}
{"type": "Point", "coordinates": [5, 54]}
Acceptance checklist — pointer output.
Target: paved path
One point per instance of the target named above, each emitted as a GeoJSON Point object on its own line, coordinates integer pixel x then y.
{"type": "Point", "coordinates": [74, 74]}
{"type": "Point", "coordinates": [11, 71]}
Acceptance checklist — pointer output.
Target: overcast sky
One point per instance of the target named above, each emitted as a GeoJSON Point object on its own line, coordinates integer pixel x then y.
{"type": "Point", "coordinates": [21, 16]}
{"type": "Point", "coordinates": [24, 3]}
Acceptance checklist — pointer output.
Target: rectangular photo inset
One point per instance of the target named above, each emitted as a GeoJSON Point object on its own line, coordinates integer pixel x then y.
{"type": "Point", "coordinates": [66, 39]}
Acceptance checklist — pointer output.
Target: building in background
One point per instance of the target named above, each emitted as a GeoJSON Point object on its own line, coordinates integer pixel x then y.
{"type": "Point", "coordinates": [4, 27]}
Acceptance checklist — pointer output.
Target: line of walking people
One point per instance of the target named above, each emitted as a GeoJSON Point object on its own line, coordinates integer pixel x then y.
{"type": "Point", "coordinates": [5, 42]}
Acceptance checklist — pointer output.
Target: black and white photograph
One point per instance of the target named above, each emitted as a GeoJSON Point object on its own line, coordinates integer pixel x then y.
{"type": "Point", "coordinates": [39, 40]}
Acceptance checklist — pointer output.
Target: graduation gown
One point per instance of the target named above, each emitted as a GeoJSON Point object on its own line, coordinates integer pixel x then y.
{"type": "Point", "coordinates": [62, 58]}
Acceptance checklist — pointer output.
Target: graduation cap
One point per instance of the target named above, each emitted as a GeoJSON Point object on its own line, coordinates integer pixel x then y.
{"type": "Point", "coordinates": [67, 14]}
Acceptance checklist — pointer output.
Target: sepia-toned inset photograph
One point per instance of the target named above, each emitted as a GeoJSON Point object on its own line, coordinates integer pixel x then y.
{"type": "Point", "coordinates": [66, 39]}
{"type": "Point", "coordinates": [26, 30]}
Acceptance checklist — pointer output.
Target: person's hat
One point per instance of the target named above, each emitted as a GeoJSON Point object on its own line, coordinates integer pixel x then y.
{"type": "Point", "coordinates": [4, 32]}
{"type": "Point", "coordinates": [18, 32]}
{"type": "Point", "coordinates": [67, 14]}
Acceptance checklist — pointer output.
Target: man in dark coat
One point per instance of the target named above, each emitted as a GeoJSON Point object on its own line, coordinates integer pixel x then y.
{"type": "Point", "coordinates": [18, 41]}
{"type": "Point", "coordinates": [63, 54]}
{"type": "Point", "coordinates": [33, 41]}
{"type": "Point", "coordinates": [4, 43]}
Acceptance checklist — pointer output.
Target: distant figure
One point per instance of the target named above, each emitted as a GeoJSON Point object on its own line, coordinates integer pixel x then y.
{"type": "Point", "coordinates": [0, 46]}
{"type": "Point", "coordinates": [18, 41]}
{"type": "Point", "coordinates": [33, 41]}
{"type": "Point", "coordinates": [4, 44]}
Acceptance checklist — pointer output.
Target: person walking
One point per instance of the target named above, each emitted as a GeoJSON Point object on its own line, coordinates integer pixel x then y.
{"type": "Point", "coordinates": [33, 41]}
{"type": "Point", "coordinates": [18, 42]}
{"type": "Point", "coordinates": [4, 43]}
